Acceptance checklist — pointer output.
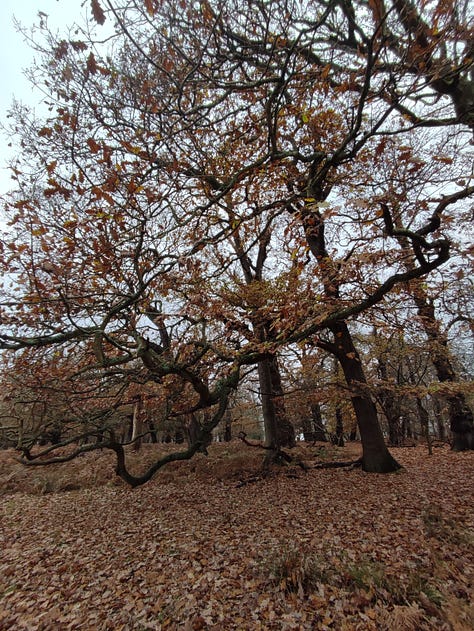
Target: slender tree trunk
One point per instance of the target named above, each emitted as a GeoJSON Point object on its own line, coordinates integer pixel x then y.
{"type": "Point", "coordinates": [353, 434]}
{"type": "Point", "coordinates": [308, 429]}
{"type": "Point", "coordinates": [228, 426]}
{"type": "Point", "coordinates": [153, 432]}
{"type": "Point", "coordinates": [460, 414]}
{"type": "Point", "coordinates": [318, 425]}
{"type": "Point", "coordinates": [338, 436]}
{"type": "Point", "coordinates": [376, 457]}
{"type": "Point", "coordinates": [407, 430]}
{"type": "Point", "coordinates": [440, 426]}
{"type": "Point", "coordinates": [279, 432]}
{"type": "Point", "coordinates": [137, 425]}
{"type": "Point", "coordinates": [425, 423]}
{"type": "Point", "coordinates": [390, 405]}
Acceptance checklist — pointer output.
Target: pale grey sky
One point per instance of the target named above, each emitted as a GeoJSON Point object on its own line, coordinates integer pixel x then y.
{"type": "Point", "coordinates": [15, 55]}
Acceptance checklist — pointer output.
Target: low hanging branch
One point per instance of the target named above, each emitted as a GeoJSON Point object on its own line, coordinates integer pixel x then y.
{"type": "Point", "coordinates": [111, 443]}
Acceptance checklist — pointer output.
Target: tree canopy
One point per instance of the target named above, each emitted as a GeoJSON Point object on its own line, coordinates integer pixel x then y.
{"type": "Point", "coordinates": [216, 182]}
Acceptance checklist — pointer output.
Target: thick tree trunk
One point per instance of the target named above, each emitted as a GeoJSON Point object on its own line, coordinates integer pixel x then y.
{"type": "Point", "coordinates": [285, 429]}
{"type": "Point", "coordinates": [313, 426]}
{"type": "Point", "coordinates": [376, 458]}
{"type": "Point", "coordinates": [279, 432]}
{"type": "Point", "coordinates": [462, 423]}
{"type": "Point", "coordinates": [194, 434]}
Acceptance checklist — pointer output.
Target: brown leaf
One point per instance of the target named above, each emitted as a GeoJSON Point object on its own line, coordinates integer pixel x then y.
{"type": "Point", "coordinates": [91, 64]}
{"type": "Point", "coordinates": [97, 12]}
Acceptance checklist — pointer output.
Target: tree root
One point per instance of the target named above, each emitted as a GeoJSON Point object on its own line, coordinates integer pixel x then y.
{"type": "Point", "coordinates": [350, 464]}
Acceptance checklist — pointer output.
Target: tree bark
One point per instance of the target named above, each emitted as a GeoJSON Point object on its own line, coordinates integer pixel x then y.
{"type": "Point", "coordinates": [318, 426]}
{"type": "Point", "coordinates": [338, 436]}
{"type": "Point", "coordinates": [460, 414]}
{"type": "Point", "coordinates": [194, 431]}
{"type": "Point", "coordinates": [440, 426]}
{"type": "Point", "coordinates": [279, 432]}
{"type": "Point", "coordinates": [228, 426]}
{"type": "Point", "coordinates": [137, 425]}
{"type": "Point", "coordinates": [390, 405]}
{"type": "Point", "coordinates": [425, 423]}
{"type": "Point", "coordinates": [375, 455]}
{"type": "Point", "coordinates": [376, 458]}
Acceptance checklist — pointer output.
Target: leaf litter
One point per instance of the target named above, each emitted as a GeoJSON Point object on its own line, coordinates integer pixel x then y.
{"type": "Point", "coordinates": [194, 549]}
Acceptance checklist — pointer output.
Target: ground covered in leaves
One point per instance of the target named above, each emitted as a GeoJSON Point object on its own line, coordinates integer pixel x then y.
{"type": "Point", "coordinates": [213, 544]}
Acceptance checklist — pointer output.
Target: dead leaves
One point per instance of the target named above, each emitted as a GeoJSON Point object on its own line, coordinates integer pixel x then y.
{"type": "Point", "coordinates": [192, 551]}
{"type": "Point", "coordinates": [97, 12]}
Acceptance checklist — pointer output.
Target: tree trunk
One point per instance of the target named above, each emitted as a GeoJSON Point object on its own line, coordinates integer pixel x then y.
{"type": "Point", "coordinates": [137, 425]}
{"type": "Point", "coordinates": [440, 426]}
{"type": "Point", "coordinates": [279, 432]}
{"type": "Point", "coordinates": [308, 429]}
{"type": "Point", "coordinates": [407, 431]}
{"type": "Point", "coordinates": [376, 458]}
{"type": "Point", "coordinates": [194, 430]}
{"type": "Point", "coordinates": [425, 424]}
{"type": "Point", "coordinates": [375, 455]}
{"type": "Point", "coordinates": [338, 437]}
{"type": "Point", "coordinates": [285, 429]}
{"type": "Point", "coordinates": [153, 432]}
{"type": "Point", "coordinates": [390, 405]}
{"type": "Point", "coordinates": [318, 425]}
{"type": "Point", "coordinates": [228, 426]}
{"type": "Point", "coordinates": [460, 414]}
{"type": "Point", "coordinates": [461, 422]}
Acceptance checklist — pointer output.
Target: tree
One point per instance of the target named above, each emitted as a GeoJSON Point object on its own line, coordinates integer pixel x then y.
{"type": "Point", "coordinates": [235, 103]}
{"type": "Point", "coordinates": [238, 299]}
{"type": "Point", "coordinates": [401, 172]}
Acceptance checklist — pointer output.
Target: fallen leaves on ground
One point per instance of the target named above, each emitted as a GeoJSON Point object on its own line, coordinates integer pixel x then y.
{"type": "Point", "coordinates": [193, 549]}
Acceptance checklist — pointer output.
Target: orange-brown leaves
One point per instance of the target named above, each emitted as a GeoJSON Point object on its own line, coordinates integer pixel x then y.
{"type": "Point", "coordinates": [97, 12]}
{"type": "Point", "coordinates": [91, 64]}
{"type": "Point", "coordinates": [80, 550]}
{"type": "Point", "coordinates": [150, 6]}
{"type": "Point", "coordinates": [93, 145]}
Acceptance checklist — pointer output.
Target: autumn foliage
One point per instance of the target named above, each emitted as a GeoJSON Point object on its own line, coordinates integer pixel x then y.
{"type": "Point", "coordinates": [214, 199]}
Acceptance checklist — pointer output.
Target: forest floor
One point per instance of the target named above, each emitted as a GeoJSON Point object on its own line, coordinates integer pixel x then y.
{"type": "Point", "coordinates": [214, 544]}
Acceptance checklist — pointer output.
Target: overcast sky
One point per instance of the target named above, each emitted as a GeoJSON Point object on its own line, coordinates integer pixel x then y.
{"type": "Point", "coordinates": [15, 55]}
